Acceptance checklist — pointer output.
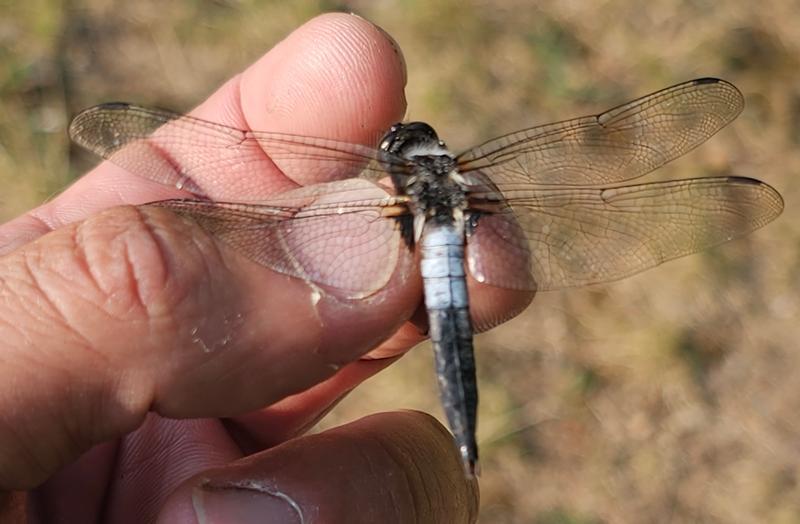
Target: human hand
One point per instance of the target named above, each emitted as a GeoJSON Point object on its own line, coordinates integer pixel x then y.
{"type": "Point", "coordinates": [114, 317]}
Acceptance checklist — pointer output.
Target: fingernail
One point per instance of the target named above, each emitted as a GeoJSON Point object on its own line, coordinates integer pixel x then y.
{"type": "Point", "coordinates": [247, 503]}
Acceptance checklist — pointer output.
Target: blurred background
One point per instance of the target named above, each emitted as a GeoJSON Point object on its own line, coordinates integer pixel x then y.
{"type": "Point", "coordinates": [672, 396]}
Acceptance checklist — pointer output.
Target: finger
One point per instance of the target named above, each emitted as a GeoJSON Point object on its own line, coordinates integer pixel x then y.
{"type": "Point", "coordinates": [136, 309]}
{"type": "Point", "coordinates": [162, 453]}
{"type": "Point", "coordinates": [135, 474]}
{"type": "Point", "coordinates": [392, 467]}
{"type": "Point", "coordinates": [295, 415]}
{"type": "Point", "coordinates": [338, 76]}
{"type": "Point", "coordinates": [92, 474]}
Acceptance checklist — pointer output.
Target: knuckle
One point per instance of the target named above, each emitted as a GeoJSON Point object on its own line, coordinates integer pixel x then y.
{"type": "Point", "coordinates": [143, 260]}
{"type": "Point", "coordinates": [73, 306]}
{"type": "Point", "coordinates": [124, 270]}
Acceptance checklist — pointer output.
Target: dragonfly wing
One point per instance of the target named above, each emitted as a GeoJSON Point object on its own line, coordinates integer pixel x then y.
{"type": "Point", "coordinates": [346, 246]}
{"type": "Point", "coordinates": [215, 160]}
{"type": "Point", "coordinates": [621, 144]}
{"type": "Point", "coordinates": [569, 237]}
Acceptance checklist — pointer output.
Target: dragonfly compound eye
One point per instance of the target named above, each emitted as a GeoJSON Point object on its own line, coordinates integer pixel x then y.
{"type": "Point", "coordinates": [411, 139]}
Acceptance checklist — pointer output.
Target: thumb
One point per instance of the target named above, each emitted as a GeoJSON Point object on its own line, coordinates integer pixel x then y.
{"type": "Point", "coordinates": [135, 310]}
{"type": "Point", "coordinates": [391, 468]}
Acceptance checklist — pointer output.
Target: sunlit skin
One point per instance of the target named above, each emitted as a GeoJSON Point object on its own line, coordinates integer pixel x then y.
{"type": "Point", "coordinates": [114, 316]}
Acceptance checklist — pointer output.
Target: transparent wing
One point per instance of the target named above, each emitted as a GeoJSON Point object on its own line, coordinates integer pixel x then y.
{"type": "Point", "coordinates": [348, 246]}
{"type": "Point", "coordinates": [211, 159]}
{"type": "Point", "coordinates": [554, 238]}
{"type": "Point", "coordinates": [621, 144]}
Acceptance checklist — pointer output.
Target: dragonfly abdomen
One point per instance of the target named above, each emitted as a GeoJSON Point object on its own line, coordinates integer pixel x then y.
{"type": "Point", "coordinates": [445, 286]}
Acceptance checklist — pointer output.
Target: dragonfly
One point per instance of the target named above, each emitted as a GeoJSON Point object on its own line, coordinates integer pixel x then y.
{"type": "Point", "coordinates": [544, 208]}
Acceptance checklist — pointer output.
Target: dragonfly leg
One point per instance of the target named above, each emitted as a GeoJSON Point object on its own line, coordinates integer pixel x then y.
{"type": "Point", "coordinates": [406, 223]}
{"type": "Point", "coordinates": [471, 222]}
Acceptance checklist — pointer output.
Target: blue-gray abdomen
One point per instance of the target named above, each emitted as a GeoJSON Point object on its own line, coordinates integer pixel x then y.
{"type": "Point", "coordinates": [442, 266]}
{"type": "Point", "coordinates": [446, 300]}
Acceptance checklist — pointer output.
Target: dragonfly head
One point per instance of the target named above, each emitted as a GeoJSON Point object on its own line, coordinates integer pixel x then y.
{"type": "Point", "coordinates": [412, 139]}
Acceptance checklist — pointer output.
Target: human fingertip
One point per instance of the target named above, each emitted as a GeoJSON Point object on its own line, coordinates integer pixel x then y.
{"type": "Point", "coordinates": [392, 43]}
{"type": "Point", "coordinates": [390, 467]}
{"type": "Point", "coordinates": [337, 76]}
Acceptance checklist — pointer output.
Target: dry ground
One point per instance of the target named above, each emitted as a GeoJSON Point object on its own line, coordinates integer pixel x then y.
{"type": "Point", "coordinates": [669, 397]}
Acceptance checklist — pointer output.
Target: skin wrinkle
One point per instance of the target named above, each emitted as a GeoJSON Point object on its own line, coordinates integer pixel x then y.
{"type": "Point", "coordinates": [234, 115]}
{"type": "Point", "coordinates": [447, 440]}
{"type": "Point", "coordinates": [392, 454]}
{"type": "Point", "coordinates": [79, 255]}
{"type": "Point", "coordinates": [47, 296]}
{"type": "Point", "coordinates": [47, 219]}
{"type": "Point", "coordinates": [52, 305]}
{"type": "Point", "coordinates": [397, 503]}
{"type": "Point", "coordinates": [416, 495]}
{"type": "Point", "coordinates": [282, 384]}
{"type": "Point", "coordinates": [122, 403]}
{"type": "Point", "coordinates": [20, 354]}
{"type": "Point", "coordinates": [209, 248]}
{"type": "Point", "coordinates": [90, 269]}
{"type": "Point", "coordinates": [163, 260]}
{"type": "Point", "coordinates": [7, 326]}
{"type": "Point", "coordinates": [70, 433]}
{"type": "Point", "coordinates": [232, 112]}
{"type": "Point", "coordinates": [205, 244]}
{"type": "Point", "coordinates": [32, 221]}
{"type": "Point", "coordinates": [413, 469]}
{"type": "Point", "coordinates": [69, 326]}
{"type": "Point", "coordinates": [136, 305]}
{"type": "Point", "coordinates": [42, 293]}
{"type": "Point", "coordinates": [80, 252]}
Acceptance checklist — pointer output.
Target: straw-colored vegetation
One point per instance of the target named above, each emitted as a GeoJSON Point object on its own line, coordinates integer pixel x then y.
{"type": "Point", "coordinates": [672, 396]}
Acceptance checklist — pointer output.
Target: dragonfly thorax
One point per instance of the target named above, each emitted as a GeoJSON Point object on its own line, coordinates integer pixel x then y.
{"type": "Point", "coordinates": [434, 185]}
{"type": "Point", "coordinates": [430, 177]}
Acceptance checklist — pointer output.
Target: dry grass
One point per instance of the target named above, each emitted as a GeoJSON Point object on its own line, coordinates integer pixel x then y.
{"type": "Point", "coordinates": [671, 396]}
